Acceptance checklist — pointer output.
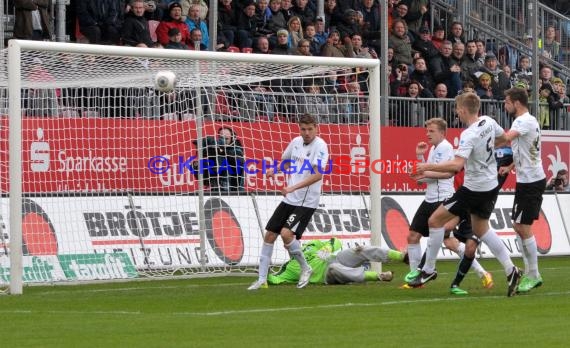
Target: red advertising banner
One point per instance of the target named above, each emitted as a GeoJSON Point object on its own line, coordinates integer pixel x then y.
{"type": "Point", "coordinates": [114, 155]}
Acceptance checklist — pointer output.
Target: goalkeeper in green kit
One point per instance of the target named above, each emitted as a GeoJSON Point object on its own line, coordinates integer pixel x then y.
{"type": "Point", "coordinates": [332, 265]}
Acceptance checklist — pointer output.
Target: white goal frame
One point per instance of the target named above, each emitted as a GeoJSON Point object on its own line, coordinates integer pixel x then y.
{"type": "Point", "coordinates": [16, 47]}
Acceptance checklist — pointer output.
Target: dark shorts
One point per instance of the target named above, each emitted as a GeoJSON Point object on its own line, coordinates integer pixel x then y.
{"type": "Point", "coordinates": [463, 231]}
{"type": "Point", "coordinates": [528, 200]}
{"type": "Point", "coordinates": [420, 220]}
{"type": "Point", "coordinates": [291, 217]}
{"type": "Point", "coordinates": [477, 203]}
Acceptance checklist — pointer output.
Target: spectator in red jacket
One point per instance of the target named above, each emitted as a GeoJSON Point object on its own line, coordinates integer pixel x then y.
{"type": "Point", "coordinates": [175, 21]}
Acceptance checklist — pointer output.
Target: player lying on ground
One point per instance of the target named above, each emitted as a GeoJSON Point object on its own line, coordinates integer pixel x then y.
{"type": "Point", "coordinates": [332, 265]}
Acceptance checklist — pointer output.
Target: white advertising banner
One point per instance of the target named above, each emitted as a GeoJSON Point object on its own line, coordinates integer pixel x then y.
{"type": "Point", "coordinates": [162, 231]}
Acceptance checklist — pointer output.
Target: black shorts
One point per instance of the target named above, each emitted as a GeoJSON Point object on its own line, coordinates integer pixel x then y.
{"type": "Point", "coordinates": [420, 220]}
{"type": "Point", "coordinates": [473, 202]}
{"type": "Point", "coordinates": [463, 231]}
{"type": "Point", "coordinates": [289, 216]}
{"type": "Point", "coordinates": [528, 200]}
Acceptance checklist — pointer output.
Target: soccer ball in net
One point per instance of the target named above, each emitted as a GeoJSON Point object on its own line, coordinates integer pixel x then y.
{"type": "Point", "coordinates": [165, 81]}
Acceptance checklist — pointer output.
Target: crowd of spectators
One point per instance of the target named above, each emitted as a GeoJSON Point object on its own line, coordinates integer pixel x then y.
{"type": "Point", "coordinates": [426, 60]}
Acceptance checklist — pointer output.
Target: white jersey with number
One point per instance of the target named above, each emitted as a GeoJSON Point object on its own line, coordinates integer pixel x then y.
{"type": "Point", "coordinates": [526, 149]}
{"type": "Point", "coordinates": [440, 189]}
{"type": "Point", "coordinates": [477, 146]}
{"type": "Point", "coordinates": [304, 157]}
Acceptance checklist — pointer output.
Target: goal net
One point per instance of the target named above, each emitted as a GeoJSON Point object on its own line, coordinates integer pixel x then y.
{"type": "Point", "coordinates": [105, 177]}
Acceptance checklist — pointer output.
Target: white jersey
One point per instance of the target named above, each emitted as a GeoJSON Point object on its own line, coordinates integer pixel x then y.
{"type": "Point", "coordinates": [526, 149]}
{"type": "Point", "coordinates": [439, 189]}
{"type": "Point", "coordinates": [304, 157]}
{"type": "Point", "coordinates": [477, 146]}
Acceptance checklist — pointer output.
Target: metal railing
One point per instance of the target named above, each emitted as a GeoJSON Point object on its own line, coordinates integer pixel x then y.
{"type": "Point", "coordinates": [241, 105]}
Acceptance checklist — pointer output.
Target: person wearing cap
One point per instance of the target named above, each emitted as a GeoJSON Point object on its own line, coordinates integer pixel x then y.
{"type": "Point", "coordinates": [424, 45]}
{"type": "Point", "coordinates": [416, 15]}
{"type": "Point", "coordinates": [438, 36]}
{"type": "Point", "coordinates": [321, 32]}
{"type": "Point", "coordinates": [175, 40]}
{"type": "Point", "coordinates": [348, 26]}
{"type": "Point", "coordinates": [500, 82]}
{"type": "Point", "coordinates": [99, 21]}
{"type": "Point", "coordinates": [484, 89]}
{"type": "Point", "coordinates": [282, 45]}
{"type": "Point", "coordinates": [135, 31]}
{"type": "Point", "coordinates": [174, 20]}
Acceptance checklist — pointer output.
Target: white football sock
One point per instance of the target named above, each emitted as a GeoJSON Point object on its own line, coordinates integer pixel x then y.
{"type": "Point", "coordinates": [264, 260]}
{"type": "Point", "coordinates": [523, 253]}
{"type": "Point", "coordinates": [529, 246]}
{"type": "Point", "coordinates": [295, 251]}
{"type": "Point", "coordinates": [415, 255]}
{"type": "Point", "coordinates": [498, 249]}
{"type": "Point", "coordinates": [434, 244]}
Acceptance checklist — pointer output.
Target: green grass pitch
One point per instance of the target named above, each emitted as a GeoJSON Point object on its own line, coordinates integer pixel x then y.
{"type": "Point", "coordinates": [220, 312]}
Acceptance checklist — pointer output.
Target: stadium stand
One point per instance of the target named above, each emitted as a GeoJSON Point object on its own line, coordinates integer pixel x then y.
{"type": "Point", "coordinates": [461, 43]}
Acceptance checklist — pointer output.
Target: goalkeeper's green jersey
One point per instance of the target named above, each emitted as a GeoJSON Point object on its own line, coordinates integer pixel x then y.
{"type": "Point", "coordinates": [318, 255]}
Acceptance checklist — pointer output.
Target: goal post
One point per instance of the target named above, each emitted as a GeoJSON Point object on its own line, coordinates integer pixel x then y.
{"type": "Point", "coordinates": [109, 178]}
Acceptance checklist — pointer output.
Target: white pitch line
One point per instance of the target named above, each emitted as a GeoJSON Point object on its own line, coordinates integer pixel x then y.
{"type": "Point", "coordinates": [282, 309]}
{"type": "Point", "coordinates": [194, 286]}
